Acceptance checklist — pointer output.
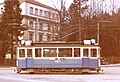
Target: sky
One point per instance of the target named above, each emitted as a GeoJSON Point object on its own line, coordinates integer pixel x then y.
{"type": "Point", "coordinates": [55, 2]}
{"type": "Point", "coordinates": [107, 4]}
{"type": "Point", "coordinates": [1, 1]}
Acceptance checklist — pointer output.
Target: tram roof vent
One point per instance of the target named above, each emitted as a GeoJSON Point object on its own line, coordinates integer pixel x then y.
{"type": "Point", "coordinates": [89, 42]}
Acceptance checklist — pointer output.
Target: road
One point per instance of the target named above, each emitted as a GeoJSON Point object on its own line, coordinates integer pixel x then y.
{"type": "Point", "coordinates": [110, 74]}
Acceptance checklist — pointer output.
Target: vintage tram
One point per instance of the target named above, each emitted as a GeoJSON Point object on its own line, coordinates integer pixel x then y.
{"type": "Point", "coordinates": [58, 57]}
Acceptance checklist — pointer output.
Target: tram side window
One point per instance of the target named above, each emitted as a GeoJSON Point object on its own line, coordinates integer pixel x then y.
{"type": "Point", "coordinates": [77, 52]}
{"type": "Point", "coordinates": [22, 53]}
{"type": "Point", "coordinates": [37, 52]}
{"type": "Point", "coordinates": [93, 52]}
{"type": "Point", "coordinates": [65, 52]}
{"type": "Point", "coordinates": [29, 52]}
{"type": "Point", "coordinates": [50, 52]}
{"type": "Point", "coordinates": [85, 52]}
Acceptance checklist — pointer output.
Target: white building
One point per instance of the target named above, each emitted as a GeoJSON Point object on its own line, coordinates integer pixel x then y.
{"type": "Point", "coordinates": [42, 21]}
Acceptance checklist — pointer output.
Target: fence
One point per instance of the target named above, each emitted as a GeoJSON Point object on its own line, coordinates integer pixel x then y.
{"type": "Point", "coordinates": [8, 62]}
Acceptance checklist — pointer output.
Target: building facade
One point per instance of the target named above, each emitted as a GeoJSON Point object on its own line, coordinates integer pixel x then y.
{"type": "Point", "coordinates": [42, 21]}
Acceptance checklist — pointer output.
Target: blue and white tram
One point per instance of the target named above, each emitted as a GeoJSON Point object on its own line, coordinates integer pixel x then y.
{"type": "Point", "coordinates": [68, 58]}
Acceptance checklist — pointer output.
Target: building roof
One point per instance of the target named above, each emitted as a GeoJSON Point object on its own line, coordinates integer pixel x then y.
{"type": "Point", "coordinates": [38, 4]}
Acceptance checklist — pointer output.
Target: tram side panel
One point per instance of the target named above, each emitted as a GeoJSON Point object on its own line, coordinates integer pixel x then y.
{"type": "Point", "coordinates": [58, 63]}
{"type": "Point", "coordinates": [85, 62]}
{"type": "Point", "coordinates": [21, 63]}
{"type": "Point", "coordinates": [25, 63]}
{"type": "Point", "coordinates": [91, 63]}
{"type": "Point", "coordinates": [29, 62]}
{"type": "Point", "coordinates": [94, 63]}
{"type": "Point", "coordinates": [51, 63]}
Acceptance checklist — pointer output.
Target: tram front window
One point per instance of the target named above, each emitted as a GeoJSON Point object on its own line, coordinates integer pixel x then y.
{"type": "Point", "coordinates": [50, 52]}
{"type": "Point", "coordinates": [65, 52]}
{"type": "Point", "coordinates": [85, 52]}
{"type": "Point", "coordinates": [29, 52]}
{"type": "Point", "coordinates": [21, 52]}
{"type": "Point", "coordinates": [93, 52]}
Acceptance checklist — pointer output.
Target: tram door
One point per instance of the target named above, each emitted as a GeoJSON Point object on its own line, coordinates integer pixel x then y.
{"type": "Point", "coordinates": [21, 59]}
{"type": "Point", "coordinates": [29, 58]}
{"type": "Point", "coordinates": [86, 59]}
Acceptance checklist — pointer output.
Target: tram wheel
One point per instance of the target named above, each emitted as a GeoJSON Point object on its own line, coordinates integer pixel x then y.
{"type": "Point", "coordinates": [18, 70]}
{"type": "Point", "coordinates": [98, 71]}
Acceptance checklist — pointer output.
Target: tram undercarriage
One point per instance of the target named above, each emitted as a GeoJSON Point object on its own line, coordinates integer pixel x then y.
{"type": "Point", "coordinates": [58, 70]}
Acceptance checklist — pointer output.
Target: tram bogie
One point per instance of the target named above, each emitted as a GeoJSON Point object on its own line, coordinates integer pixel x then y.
{"type": "Point", "coordinates": [62, 59]}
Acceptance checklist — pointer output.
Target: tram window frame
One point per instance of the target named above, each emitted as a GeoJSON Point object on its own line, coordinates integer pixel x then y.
{"type": "Point", "coordinates": [29, 53]}
{"type": "Point", "coordinates": [21, 53]}
{"type": "Point", "coordinates": [92, 52]}
{"type": "Point", "coordinates": [61, 53]}
{"type": "Point", "coordinates": [77, 50]}
{"type": "Point", "coordinates": [84, 52]}
{"type": "Point", "coordinates": [50, 52]}
{"type": "Point", "coordinates": [38, 53]}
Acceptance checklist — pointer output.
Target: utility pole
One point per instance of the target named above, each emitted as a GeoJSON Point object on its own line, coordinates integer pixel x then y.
{"type": "Point", "coordinates": [98, 33]}
{"type": "Point", "coordinates": [36, 30]}
{"type": "Point", "coordinates": [80, 38]}
{"type": "Point", "coordinates": [113, 7]}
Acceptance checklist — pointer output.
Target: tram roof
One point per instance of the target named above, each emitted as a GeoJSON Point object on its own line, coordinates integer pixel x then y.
{"type": "Point", "coordinates": [60, 44]}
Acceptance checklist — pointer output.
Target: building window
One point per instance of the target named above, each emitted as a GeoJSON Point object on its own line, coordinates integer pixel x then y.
{"type": "Point", "coordinates": [49, 37]}
{"type": "Point", "coordinates": [40, 37]}
{"type": "Point", "coordinates": [49, 29]}
{"type": "Point", "coordinates": [44, 37]}
{"type": "Point", "coordinates": [31, 10]}
{"type": "Point", "coordinates": [53, 15]}
{"type": "Point", "coordinates": [31, 24]}
{"type": "Point", "coordinates": [49, 15]}
{"type": "Point", "coordinates": [40, 26]}
{"type": "Point", "coordinates": [41, 12]}
{"type": "Point", "coordinates": [57, 17]}
{"type": "Point", "coordinates": [31, 37]}
{"type": "Point", "coordinates": [45, 13]}
{"type": "Point", "coordinates": [36, 11]}
{"type": "Point", "coordinates": [45, 27]}
{"type": "Point", "coordinates": [55, 29]}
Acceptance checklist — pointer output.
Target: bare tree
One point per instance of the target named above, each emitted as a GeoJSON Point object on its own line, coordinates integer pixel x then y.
{"type": "Point", "coordinates": [61, 9]}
